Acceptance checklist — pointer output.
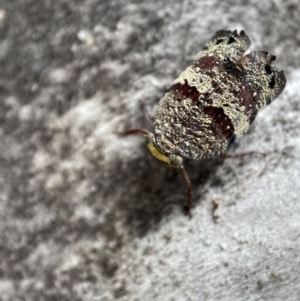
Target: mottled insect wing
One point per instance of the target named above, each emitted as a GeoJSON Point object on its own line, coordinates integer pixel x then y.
{"type": "Point", "coordinates": [189, 120]}
{"type": "Point", "coordinates": [228, 46]}
{"type": "Point", "coordinates": [259, 72]}
{"type": "Point", "coordinates": [216, 98]}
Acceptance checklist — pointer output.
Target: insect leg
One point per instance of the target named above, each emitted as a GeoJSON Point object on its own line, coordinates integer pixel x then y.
{"type": "Point", "coordinates": [135, 131]}
{"type": "Point", "coordinates": [241, 155]}
{"type": "Point", "coordinates": [189, 189]}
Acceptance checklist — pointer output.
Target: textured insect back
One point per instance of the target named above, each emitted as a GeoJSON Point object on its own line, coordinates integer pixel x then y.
{"type": "Point", "coordinates": [214, 100]}
{"type": "Point", "coordinates": [226, 45]}
{"type": "Point", "coordinates": [197, 116]}
{"type": "Point", "coordinates": [259, 72]}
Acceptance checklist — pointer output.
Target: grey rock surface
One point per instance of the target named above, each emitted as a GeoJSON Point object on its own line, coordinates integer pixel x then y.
{"type": "Point", "coordinates": [88, 215]}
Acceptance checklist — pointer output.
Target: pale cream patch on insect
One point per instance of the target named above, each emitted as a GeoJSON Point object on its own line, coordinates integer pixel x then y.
{"type": "Point", "coordinates": [201, 82]}
{"type": "Point", "coordinates": [222, 51]}
{"type": "Point", "coordinates": [227, 101]}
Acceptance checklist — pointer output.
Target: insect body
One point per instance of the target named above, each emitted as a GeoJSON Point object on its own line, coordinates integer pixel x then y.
{"type": "Point", "coordinates": [213, 101]}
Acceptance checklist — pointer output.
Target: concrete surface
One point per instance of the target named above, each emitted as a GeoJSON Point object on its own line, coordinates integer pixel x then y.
{"type": "Point", "coordinates": [88, 215]}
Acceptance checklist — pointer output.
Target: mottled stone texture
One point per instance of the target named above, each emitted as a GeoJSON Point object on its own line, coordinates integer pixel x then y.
{"type": "Point", "coordinates": [88, 215]}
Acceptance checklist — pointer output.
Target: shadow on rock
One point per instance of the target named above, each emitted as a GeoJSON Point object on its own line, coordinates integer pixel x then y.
{"type": "Point", "coordinates": [150, 191]}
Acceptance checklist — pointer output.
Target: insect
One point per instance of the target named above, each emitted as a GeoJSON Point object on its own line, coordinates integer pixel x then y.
{"type": "Point", "coordinates": [212, 102]}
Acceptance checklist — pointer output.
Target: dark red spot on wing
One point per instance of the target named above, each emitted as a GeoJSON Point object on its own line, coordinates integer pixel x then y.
{"type": "Point", "coordinates": [221, 123]}
{"type": "Point", "coordinates": [206, 62]}
{"type": "Point", "coordinates": [185, 91]}
{"type": "Point", "coordinates": [247, 98]}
